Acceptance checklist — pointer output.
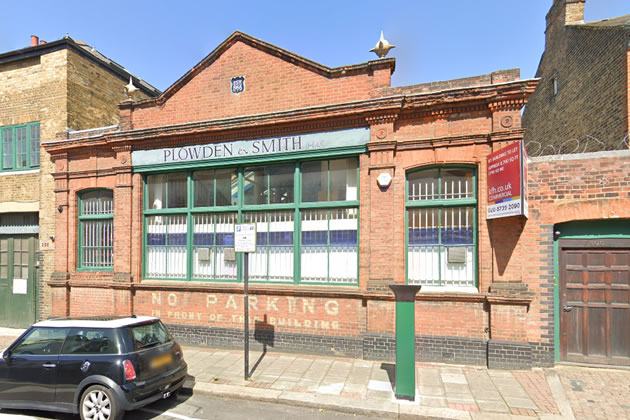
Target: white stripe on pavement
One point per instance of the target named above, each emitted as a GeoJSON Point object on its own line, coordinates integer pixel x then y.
{"type": "Point", "coordinates": [15, 417]}
{"type": "Point", "coordinates": [167, 413]}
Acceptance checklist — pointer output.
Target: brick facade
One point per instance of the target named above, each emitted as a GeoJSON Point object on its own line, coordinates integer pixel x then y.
{"type": "Point", "coordinates": [507, 321]}
{"type": "Point", "coordinates": [455, 122]}
{"type": "Point", "coordinates": [62, 85]}
{"type": "Point", "coordinates": [588, 62]}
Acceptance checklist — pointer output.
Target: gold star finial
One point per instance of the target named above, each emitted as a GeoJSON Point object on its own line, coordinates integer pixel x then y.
{"type": "Point", "coordinates": [382, 47]}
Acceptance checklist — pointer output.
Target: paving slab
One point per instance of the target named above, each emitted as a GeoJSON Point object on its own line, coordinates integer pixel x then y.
{"type": "Point", "coordinates": [518, 402]}
{"type": "Point", "coordinates": [498, 416]}
{"type": "Point", "coordinates": [493, 406]}
{"type": "Point", "coordinates": [460, 399]}
{"type": "Point", "coordinates": [456, 388]}
{"type": "Point", "coordinates": [433, 401]}
{"type": "Point", "coordinates": [486, 394]}
{"type": "Point", "coordinates": [453, 378]}
{"type": "Point", "coordinates": [434, 391]}
{"type": "Point", "coordinates": [283, 385]}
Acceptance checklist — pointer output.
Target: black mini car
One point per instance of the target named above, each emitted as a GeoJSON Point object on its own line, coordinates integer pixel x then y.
{"type": "Point", "coordinates": [98, 369]}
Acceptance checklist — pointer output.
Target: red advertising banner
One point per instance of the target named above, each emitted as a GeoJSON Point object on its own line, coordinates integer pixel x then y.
{"type": "Point", "coordinates": [507, 182]}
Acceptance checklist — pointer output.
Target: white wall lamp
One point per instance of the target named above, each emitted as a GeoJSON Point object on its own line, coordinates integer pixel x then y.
{"type": "Point", "coordinates": [384, 180]}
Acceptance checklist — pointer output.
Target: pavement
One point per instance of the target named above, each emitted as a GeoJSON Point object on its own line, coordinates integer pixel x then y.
{"type": "Point", "coordinates": [442, 391]}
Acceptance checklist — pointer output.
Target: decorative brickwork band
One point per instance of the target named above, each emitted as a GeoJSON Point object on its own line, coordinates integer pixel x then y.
{"type": "Point", "coordinates": [507, 105]}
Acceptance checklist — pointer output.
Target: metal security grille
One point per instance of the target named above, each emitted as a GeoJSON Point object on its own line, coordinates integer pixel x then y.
{"type": "Point", "coordinates": [441, 227]}
{"type": "Point", "coordinates": [166, 246]}
{"type": "Point", "coordinates": [273, 259]}
{"type": "Point", "coordinates": [19, 223]}
{"type": "Point", "coordinates": [212, 234]}
{"type": "Point", "coordinates": [306, 216]}
{"type": "Point", "coordinates": [96, 229]}
{"type": "Point", "coordinates": [329, 245]}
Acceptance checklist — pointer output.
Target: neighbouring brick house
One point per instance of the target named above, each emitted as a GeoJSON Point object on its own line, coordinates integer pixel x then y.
{"type": "Point", "coordinates": [64, 85]}
{"type": "Point", "coordinates": [578, 231]}
{"type": "Point", "coordinates": [576, 243]}
{"type": "Point", "coordinates": [582, 103]}
{"type": "Point", "coordinates": [353, 185]}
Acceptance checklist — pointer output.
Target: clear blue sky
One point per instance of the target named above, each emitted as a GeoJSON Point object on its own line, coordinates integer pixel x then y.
{"type": "Point", "coordinates": [159, 41]}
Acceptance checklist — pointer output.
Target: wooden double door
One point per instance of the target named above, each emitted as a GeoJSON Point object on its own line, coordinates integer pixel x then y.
{"type": "Point", "coordinates": [18, 280]}
{"type": "Point", "coordinates": [595, 301]}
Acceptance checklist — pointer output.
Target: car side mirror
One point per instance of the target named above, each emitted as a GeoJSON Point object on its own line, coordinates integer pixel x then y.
{"type": "Point", "coordinates": [6, 355]}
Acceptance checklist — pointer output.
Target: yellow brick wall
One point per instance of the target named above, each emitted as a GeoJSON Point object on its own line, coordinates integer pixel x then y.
{"type": "Point", "coordinates": [91, 95]}
{"type": "Point", "coordinates": [61, 89]}
{"type": "Point", "coordinates": [54, 118]}
{"type": "Point", "coordinates": [23, 100]}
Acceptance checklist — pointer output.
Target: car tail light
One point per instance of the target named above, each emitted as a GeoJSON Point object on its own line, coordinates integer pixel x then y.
{"type": "Point", "coordinates": [130, 372]}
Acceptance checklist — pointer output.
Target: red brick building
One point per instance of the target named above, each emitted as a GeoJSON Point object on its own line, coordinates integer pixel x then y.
{"type": "Point", "coordinates": [353, 185]}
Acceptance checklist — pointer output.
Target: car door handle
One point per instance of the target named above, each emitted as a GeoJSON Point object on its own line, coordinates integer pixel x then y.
{"type": "Point", "coordinates": [49, 365]}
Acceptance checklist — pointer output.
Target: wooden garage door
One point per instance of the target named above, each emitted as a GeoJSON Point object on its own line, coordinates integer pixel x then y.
{"type": "Point", "coordinates": [595, 301]}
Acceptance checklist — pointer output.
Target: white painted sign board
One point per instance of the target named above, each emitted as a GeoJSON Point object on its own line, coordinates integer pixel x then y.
{"type": "Point", "coordinates": [245, 237]}
{"type": "Point", "coordinates": [20, 286]}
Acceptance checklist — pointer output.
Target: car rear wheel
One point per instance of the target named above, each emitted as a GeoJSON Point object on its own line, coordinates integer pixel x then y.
{"type": "Point", "coordinates": [99, 403]}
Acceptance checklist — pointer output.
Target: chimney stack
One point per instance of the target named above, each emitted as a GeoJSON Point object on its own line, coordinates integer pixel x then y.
{"type": "Point", "coordinates": [566, 12]}
{"type": "Point", "coordinates": [34, 40]}
{"type": "Point", "coordinates": [562, 13]}
{"type": "Point", "coordinates": [42, 42]}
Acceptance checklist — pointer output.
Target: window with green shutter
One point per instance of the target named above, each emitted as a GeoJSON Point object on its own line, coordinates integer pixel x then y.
{"type": "Point", "coordinates": [19, 147]}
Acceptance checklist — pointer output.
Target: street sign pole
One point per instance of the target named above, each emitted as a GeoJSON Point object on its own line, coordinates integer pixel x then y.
{"type": "Point", "coordinates": [246, 330]}
{"type": "Point", "coordinates": [245, 242]}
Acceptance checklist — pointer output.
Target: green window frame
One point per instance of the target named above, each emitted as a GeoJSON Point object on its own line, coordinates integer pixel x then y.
{"type": "Point", "coordinates": [441, 227]}
{"type": "Point", "coordinates": [96, 230]}
{"type": "Point", "coordinates": [19, 147]}
{"type": "Point", "coordinates": [268, 195]}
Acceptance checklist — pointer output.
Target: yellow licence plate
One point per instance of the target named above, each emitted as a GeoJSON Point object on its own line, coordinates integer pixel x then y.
{"type": "Point", "coordinates": [161, 360]}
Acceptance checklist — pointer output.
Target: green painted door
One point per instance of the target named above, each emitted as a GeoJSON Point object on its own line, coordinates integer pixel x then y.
{"type": "Point", "coordinates": [17, 280]}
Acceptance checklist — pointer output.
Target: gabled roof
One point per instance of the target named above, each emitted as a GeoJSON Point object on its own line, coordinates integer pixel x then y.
{"type": "Point", "coordinates": [276, 52]}
{"type": "Point", "coordinates": [85, 50]}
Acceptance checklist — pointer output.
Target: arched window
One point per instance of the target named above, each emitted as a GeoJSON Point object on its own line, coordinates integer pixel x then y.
{"type": "Point", "coordinates": [441, 229]}
{"type": "Point", "coordinates": [96, 230]}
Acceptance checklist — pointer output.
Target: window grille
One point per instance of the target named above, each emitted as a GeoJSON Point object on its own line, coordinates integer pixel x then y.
{"type": "Point", "coordinates": [441, 227]}
{"type": "Point", "coordinates": [96, 230]}
{"type": "Point", "coordinates": [192, 237]}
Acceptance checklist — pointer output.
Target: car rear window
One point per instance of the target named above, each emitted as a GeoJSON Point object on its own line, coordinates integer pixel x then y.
{"type": "Point", "coordinates": [149, 335]}
{"type": "Point", "coordinates": [91, 341]}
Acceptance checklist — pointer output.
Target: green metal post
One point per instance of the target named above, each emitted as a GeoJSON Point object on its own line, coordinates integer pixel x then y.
{"type": "Point", "coordinates": [405, 340]}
